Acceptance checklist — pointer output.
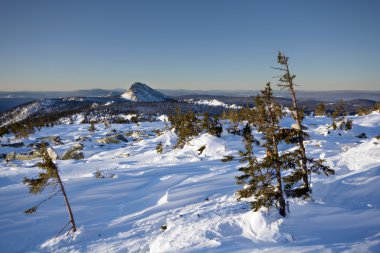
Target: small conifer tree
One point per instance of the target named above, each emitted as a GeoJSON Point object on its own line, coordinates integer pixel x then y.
{"type": "Point", "coordinates": [159, 148]}
{"type": "Point", "coordinates": [211, 125]}
{"type": "Point", "coordinates": [339, 117]}
{"type": "Point", "coordinates": [262, 179]}
{"type": "Point", "coordinates": [107, 124]}
{"type": "Point", "coordinates": [287, 82]}
{"type": "Point", "coordinates": [50, 177]}
{"type": "Point", "coordinates": [320, 110]}
{"type": "Point", "coordinates": [185, 125]}
{"type": "Point", "coordinates": [92, 127]}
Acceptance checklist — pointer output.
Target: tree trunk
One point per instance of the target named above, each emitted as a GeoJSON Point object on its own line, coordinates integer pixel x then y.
{"type": "Point", "coordinates": [71, 216]}
{"type": "Point", "coordinates": [299, 126]}
{"type": "Point", "coordinates": [281, 200]}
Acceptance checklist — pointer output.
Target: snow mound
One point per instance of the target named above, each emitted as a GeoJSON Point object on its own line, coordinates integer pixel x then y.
{"type": "Point", "coordinates": [361, 157]}
{"type": "Point", "coordinates": [143, 93]}
{"type": "Point", "coordinates": [256, 227]}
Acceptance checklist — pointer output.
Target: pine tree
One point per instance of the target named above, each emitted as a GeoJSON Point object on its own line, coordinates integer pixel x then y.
{"type": "Point", "coordinates": [92, 127]}
{"type": "Point", "coordinates": [339, 120]}
{"type": "Point", "coordinates": [297, 161]}
{"type": "Point", "coordinates": [211, 125]}
{"type": "Point", "coordinates": [320, 110]}
{"type": "Point", "coordinates": [50, 177]}
{"type": "Point", "coordinates": [262, 179]}
{"type": "Point", "coordinates": [159, 148]}
{"type": "Point", "coordinates": [107, 124]}
{"type": "Point", "coordinates": [287, 82]}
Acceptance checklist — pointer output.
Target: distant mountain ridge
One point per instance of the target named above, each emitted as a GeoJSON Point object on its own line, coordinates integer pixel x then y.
{"type": "Point", "coordinates": [307, 99]}
{"type": "Point", "coordinates": [140, 92]}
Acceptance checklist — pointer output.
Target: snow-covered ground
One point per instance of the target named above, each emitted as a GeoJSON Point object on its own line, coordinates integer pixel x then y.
{"type": "Point", "coordinates": [192, 195]}
{"type": "Point", "coordinates": [213, 102]}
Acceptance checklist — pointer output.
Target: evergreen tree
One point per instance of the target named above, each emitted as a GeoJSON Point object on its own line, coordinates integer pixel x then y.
{"type": "Point", "coordinates": [262, 179]}
{"type": "Point", "coordinates": [301, 165]}
{"type": "Point", "coordinates": [287, 82]}
{"type": "Point", "coordinates": [363, 111]}
{"type": "Point", "coordinates": [376, 107]}
{"type": "Point", "coordinates": [320, 110]}
{"type": "Point", "coordinates": [92, 127]}
{"type": "Point", "coordinates": [339, 120]}
{"type": "Point", "coordinates": [107, 124]}
{"type": "Point", "coordinates": [185, 125]}
{"type": "Point", "coordinates": [211, 125]}
{"type": "Point", "coordinates": [159, 148]}
{"type": "Point", "coordinates": [50, 177]}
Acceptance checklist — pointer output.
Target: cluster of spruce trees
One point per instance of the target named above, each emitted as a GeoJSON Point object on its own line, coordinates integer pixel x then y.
{"type": "Point", "coordinates": [187, 125]}
{"type": "Point", "coordinates": [268, 179]}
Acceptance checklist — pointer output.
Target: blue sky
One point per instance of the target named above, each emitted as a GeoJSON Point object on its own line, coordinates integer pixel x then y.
{"type": "Point", "coordinates": [66, 45]}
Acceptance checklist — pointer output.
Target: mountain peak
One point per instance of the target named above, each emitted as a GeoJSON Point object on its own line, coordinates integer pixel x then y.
{"type": "Point", "coordinates": [143, 93]}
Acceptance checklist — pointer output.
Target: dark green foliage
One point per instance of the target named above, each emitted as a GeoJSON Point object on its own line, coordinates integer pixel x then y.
{"type": "Point", "coordinates": [211, 125]}
{"type": "Point", "coordinates": [158, 132]}
{"type": "Point", "coordinates": [201, 149]}
{"type": "Point", "coordinates": [98, 174]}
{"type": "Point", "coordinates": [92, 127]}
{"type": "Point", "coordinates": [339, 117]}
{"type": "Point", "coordinates": [159, 148]}
{"type": "Point", "coordinates": [296, 161]}
{"type": "Point", "coordinates": [3, 131]}
{"type": "Point", "coordinates": [21, 129]}
{"type": "Point", "coordinates": [262, 179]}
{"type": "Point", "coordinates": [320, 110]}
{"type": "Point", "coordinates": [287, 82]}
{"type": "Point", "coordinates": [24, 128]}
{"type": "Point", "coordinates": [187, 125]}
{"type": "Point", "coordinates": [291, 135]}
{"type": "Point", "coordinates": [232, 115]}
{"type": "Point", "coordinates": [49, 177]}
{"type": "Point", "coordinates": [31, 210]}
{"type": "Point", "coordinates": [347, 124]}
{"type": "Point", "coordinates": [363, 111]}
{"type": "Point", "coordinates": [339, 109]}
{"type": "Point", "coordinates": [376, 107]}
{"type": "Point", "coordinates": [135, 119]}
{"type": "Point", "coordinates": [362, 136]}
{"type": "Point", "coordinates": [291, 160]}
{"type": "Point", "coordinates": [227, 158]}
{"type": "Point", "coordinates": [46, 178]}
{"type": "Point", "coordinates": [234, 129]}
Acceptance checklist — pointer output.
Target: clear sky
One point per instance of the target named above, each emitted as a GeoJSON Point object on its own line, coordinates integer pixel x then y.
{"type": "Point", "coordinates": [78, 44]}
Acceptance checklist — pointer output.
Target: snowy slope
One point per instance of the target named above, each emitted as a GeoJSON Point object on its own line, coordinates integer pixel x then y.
{"type": "Point", "coordinates": [193, 195]}
{"type": "Point", "coordinates": [143, 93]}
{"type": "Point", "coordinates": [212, 102]}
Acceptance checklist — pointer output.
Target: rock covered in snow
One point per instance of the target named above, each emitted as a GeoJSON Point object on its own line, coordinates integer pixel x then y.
{"type": "Point", "coordinates": [116, 138]}
{"type": "Point", "coordinates": [52, 154]}
{"type": "Point", "coordinates": [10, 156]}
{"type": "Point", "coordinates": [74, 152]}
{"type": "Point", "coordinates": [143, 93]}
{"type": "Point", "coordinates": [56, 140]}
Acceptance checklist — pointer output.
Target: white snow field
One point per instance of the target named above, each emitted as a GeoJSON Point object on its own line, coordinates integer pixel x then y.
{"type": "Point", "coordinates": [192, 195]}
